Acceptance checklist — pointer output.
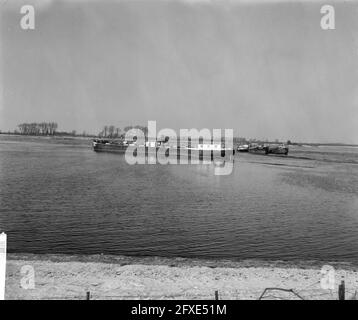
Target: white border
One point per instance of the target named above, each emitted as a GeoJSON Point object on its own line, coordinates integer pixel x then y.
{"type": "Point", "coordinates": [3, 242]}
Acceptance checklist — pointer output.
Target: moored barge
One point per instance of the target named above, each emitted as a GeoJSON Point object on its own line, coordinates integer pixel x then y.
{"type": "Point", "coordinates": [201, 151]}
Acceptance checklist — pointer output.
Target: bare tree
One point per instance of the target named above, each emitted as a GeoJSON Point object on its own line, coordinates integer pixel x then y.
{"type": "Point", "coordinates": [118, 130]}
{"type": "Point", "coordinates": [42, 128]}
{"type": "Point", "coordinates": [55, 126]}
{"type": "Point", "coordinates": [111, 131]}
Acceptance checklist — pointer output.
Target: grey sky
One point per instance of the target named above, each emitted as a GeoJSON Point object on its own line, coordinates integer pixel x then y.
{"type": "Point", "coordinates": [265, 69]}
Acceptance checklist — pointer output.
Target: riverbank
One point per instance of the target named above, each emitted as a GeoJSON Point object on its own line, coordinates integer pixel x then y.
{"type": "Point", "coordinates": [119, 277]}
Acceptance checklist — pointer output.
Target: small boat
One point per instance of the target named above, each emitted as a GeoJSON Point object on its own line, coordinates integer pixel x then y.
{"type": "Point", "coordinates": [243, 148]}
{"type": "Point", "coordinates": [278, 149]}
{"type": "Point", "coordinates": [268, 148]}
{"type": "Point", "coordinates": [103, 145]}
{"type": "Point", "coordinates": [258, 148]}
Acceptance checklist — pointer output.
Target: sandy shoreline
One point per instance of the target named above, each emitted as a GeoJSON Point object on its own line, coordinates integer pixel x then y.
{"type": "Point", "coordinates": [118, 277]}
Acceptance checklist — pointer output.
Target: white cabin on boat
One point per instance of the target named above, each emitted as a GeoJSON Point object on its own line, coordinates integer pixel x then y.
{"type": "Point", "coordinates": [209, 147]}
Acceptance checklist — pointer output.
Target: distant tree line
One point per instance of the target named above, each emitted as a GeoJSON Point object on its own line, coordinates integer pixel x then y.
{"type": "Point", "coordinates": [113, 132]}
{"type": "Point", "coordinates": [37, 129]}
{"type": "Point", "coordinates": [50, 129]}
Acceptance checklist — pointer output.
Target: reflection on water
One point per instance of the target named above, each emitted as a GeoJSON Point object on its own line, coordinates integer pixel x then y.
{"type": "Point", "coordinates": [58, 196]}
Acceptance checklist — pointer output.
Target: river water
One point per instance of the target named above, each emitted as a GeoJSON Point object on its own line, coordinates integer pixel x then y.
{"type": "Point", "coordinates": [58, 196]}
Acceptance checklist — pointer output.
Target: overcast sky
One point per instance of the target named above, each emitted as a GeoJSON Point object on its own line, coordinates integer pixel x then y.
{"type": "Point", "coordinates": [264, 68]}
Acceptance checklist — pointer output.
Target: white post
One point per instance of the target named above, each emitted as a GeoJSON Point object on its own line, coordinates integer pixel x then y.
{"type": "Point", "coordinates": [2, 265]}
